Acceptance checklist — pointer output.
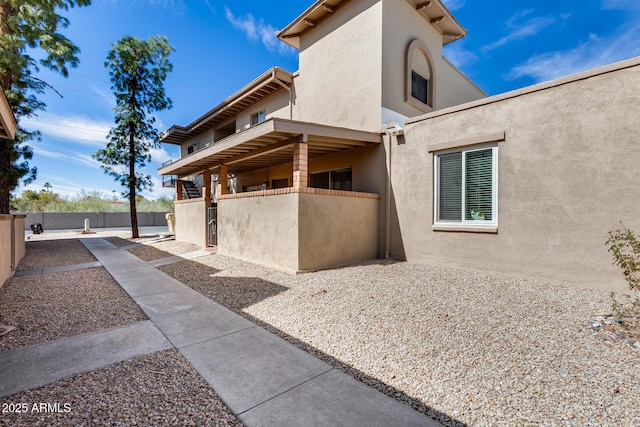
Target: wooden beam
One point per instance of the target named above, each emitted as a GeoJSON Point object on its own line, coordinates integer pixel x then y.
{"type": "Point", "coordinates": [328, 8]}
{"type": "Point", "coordinates": [437, 19]}
{"type": "Point", "coordinates": [423, 5]}
{"type": "Point", "coordinates": [310, 22]}
{"type": "Point", "coordinates": [262, 151]}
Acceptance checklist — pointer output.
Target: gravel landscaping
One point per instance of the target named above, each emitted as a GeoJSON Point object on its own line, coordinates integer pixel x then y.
{"type": "Point", "coordinates": [53, 253]}
{"type": "Point", "coordinates": [157, 250]}
{"type": "Point", "coordinates": [47, 307]}
{"type": "Point", "coordinates": [159, 389]}
{"type": "Point", "coordinates": [466, 347]}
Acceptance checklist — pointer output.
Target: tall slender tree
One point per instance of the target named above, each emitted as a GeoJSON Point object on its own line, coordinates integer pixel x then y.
{"type": "Point", "coordinates": [137, 69]}
{"type": "Point", "coordinates": [26, 27]}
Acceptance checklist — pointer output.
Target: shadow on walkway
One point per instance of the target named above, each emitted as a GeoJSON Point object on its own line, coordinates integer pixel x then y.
{"type": "Point", "coordinates": [238, 293]}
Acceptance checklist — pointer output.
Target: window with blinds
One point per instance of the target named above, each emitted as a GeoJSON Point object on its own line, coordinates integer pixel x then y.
{"type": "Point", "coordinates": [466, 186]}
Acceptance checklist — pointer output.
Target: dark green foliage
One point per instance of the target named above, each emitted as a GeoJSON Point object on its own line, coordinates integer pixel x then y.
{"type": "Point", "coordinates": [137, 69]}
{"type": "Point", "coordinates": [27, 27]}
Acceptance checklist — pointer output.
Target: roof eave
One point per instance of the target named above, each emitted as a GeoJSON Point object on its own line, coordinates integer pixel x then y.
{"type": "Point", "coordinates": [8, 125]}
{"type": "Point", "coordinates": [271, 75]}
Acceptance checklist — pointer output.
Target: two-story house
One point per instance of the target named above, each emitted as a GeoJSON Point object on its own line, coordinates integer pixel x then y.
{"type": "Point", "coordinates": [379, 147]}
{"type": "Point", "coordinates": [296, 162]}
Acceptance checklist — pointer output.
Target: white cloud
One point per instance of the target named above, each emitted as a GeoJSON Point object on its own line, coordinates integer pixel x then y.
{"type": "Point", "coordinates": [75, 128]}
{"type": "Point", "coordinates": [454, 4]}
{"type": "Point", "coordinates": [69, 157]}
{"type": "Point", "coordinates": [159, 155]}
{"type": "Point", "coordinates": [620, 4]}
{"type": "Point", "coordinates": [593, 53]}
{"type": "Point", "coordinates": [459, 56]}
{"type": "Point", "coordinates": [518, 32]}
{"type": "Point", "coordinates": [258, 30]}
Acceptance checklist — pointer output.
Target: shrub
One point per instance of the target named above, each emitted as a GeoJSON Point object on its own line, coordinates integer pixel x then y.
{"type": "Point", "coordinates": [625, 248]}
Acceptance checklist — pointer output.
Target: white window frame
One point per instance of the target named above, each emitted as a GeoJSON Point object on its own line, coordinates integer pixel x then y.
{"type": "Point", "coordinates": [464, 224]}
{"type": "Point", "coordinates": [262, 112]}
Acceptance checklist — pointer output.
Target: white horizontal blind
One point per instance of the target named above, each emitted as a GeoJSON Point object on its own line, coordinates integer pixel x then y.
{"type": "Point", "coordinates": [450, 191]}
{"type": "Point", "coordinates": [479, 185]}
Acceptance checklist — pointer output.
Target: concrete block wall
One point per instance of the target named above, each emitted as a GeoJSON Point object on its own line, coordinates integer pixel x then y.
{"type": "Point", "coordinates": [75, 220]}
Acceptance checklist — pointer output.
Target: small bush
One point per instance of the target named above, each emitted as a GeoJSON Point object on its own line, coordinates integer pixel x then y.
{"type": "Point", "coordinates": [625, 248]}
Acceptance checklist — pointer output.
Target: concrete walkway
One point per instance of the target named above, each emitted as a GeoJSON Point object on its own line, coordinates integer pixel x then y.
{"type": "Point", "coordinates": [262, 378]}
{"type": "Point", "coordinates": [37, 365]}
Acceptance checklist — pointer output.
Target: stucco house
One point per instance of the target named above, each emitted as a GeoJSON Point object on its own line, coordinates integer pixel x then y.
{"type": "Point", "coordinates": [379, 147]}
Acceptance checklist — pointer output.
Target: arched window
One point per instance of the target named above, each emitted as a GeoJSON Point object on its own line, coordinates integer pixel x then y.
{"type": "Point", "coordinates": [419, 77]}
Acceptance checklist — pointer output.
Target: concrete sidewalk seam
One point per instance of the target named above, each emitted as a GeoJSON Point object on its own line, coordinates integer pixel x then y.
{"type": "Point", "coordinates": [286, 391]}
{"type": "Point", "coordinates": [209, 339]}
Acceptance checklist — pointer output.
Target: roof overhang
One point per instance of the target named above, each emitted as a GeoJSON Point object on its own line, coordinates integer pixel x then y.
{"type": "Point", "coordinates": [433, 11]}
{"type": "Point", "coordinates": [441, 18]}
{"type": "Point", "coordinates": [269, 144]}
{"type": "Point", "coordinates": [268, 83]}
{"type": "Point", "coordinates": [8, 123]}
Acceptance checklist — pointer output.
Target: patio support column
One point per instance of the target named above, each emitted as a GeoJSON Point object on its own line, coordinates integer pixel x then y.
{"type": "Point", "coordinates": [178, 189]}
{"type": "Point", "coordinates": [223, 173]}
{"type": "Point", "coordinates": [206, 184]}
{"type": "Point", "coordinates": [300, 165]}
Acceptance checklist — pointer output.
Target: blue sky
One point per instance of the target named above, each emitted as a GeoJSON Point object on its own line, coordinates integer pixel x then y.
{"type": "Point", "coordinates": [223, 45]}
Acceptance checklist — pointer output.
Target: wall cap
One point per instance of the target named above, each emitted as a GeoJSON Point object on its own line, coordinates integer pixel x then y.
{"type": "Point", "coordinates": [300, 190]}
{"type": "Point", "coordinates": [595, 72]}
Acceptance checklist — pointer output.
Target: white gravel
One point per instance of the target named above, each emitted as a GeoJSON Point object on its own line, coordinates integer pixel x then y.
{"type": "Point", "coordinates": [466, 347]}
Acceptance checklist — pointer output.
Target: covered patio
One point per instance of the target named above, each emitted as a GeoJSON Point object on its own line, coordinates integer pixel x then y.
{"type": "Point", "coordinates": [295, 228]}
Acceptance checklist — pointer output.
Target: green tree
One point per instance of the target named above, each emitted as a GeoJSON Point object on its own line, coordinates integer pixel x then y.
{"type": "Point", "coordinates": [137, 69]}
{"type": "Point", "coordinates": [29, 27]}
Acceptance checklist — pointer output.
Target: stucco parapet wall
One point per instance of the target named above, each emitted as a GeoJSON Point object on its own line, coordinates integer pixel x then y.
{"type": "Point", "coordinates": [630, 63]}
{"type": "Point", "coordinates": [304, 190]}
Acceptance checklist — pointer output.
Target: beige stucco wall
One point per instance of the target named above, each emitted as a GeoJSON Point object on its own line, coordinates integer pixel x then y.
{"type": "Point", "coordinates": [336, 230]}
{"type": "Point", "coordinates": [5, 248]}
{"type": "Point", "coordinates": [17, 235]}
{"type": "Point", "coordinates": [298, 231]}
{"type": "Point", "coordinates": [263, 230]}
{"type": "Point", "coordinates": [191, 221]}
{"type": "Point", "coordinates": [567, 175]}
{"type": "Point", "coordinates": [401, 25]}
{"type": "Point", "coordinates": [340, 67]}
{"type": "Point", "coordinates": [277, 105]}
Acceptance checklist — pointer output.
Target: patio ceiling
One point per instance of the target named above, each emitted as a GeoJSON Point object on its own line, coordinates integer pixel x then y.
{"type": "Point", "coordinates": [269, 144]}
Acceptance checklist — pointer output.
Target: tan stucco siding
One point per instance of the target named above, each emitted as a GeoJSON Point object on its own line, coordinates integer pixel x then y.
{"type": "Point", "coordinates": [337, 230]}
{"type": "Point", "coordinates": [5, 248]}
{"type": "Point", "coordinates": [567, 175]}
{"type": "Point", "coordinates": [200, 139]}
{"type": "Point", "coordinates": [17, 233]}
{"type": "Point", "coordinates": [191, 221]}
{"type": "Point", "coordinates": [276, 105]}
{"type": "Point", "coordinates": [263, 230]}
{"type": "Point", "coordinates": [454, 88]}
{"type": "Point", "coordinates": [340, 68]}
{"type": "Point", "coordinates": [402, 25]}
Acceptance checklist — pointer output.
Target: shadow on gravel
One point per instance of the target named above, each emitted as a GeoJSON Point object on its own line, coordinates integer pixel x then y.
{"type": "Point", "coordinates": [234, 293]}
{"type": "Point", "coordinates": [238, 293]}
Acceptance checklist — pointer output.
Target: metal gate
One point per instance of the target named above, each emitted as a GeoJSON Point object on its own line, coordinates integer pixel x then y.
{"type": "Point", "coordinates": [212, 219]}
